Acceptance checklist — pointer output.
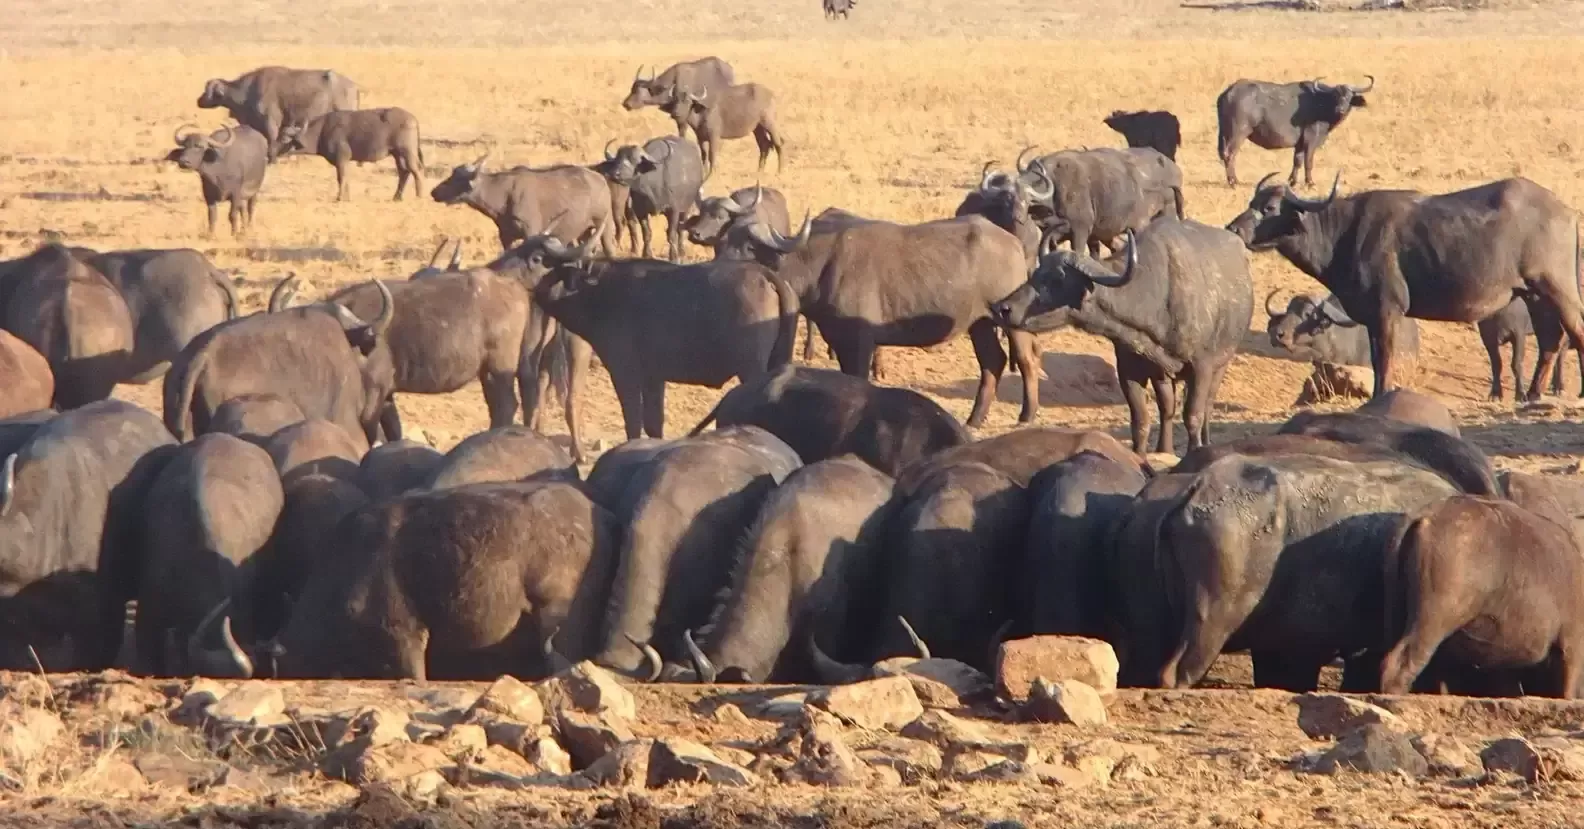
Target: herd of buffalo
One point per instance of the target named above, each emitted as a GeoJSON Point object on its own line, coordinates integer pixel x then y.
{"type": "Point", "coordinates": [274, 522]}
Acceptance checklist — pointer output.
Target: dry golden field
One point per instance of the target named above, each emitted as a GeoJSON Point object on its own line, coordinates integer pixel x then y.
{"type": "Point", "coordinates": [889, 114]}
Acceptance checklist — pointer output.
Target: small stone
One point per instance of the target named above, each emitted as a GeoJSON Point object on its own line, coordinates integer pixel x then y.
{"type": "Point", "coordinates": [510, 734]}
{"type": "Point", "coordinates": [549, 756]}
{"type": "Point", "coordinates": [675, 760]}
{"type": "Point", "coordinates": [510, 699]}
{"type": "Point", "coordinates": [1063, 776]}
{"type": "Point", "coordinates": [179, 772]}
{"type": "Point", "coordinates": [26, 734]}
{"type": "Point", "coordinates": [1564, 757]}
{"type": "Point", "coordinates": [1005, 771]}
{"type": "Point", "coordinates": [588, 688]}
{"type": "Point", "coordinates": [782, 708]}
{"type": "Point", "coordinates": [1325, 716]}
{"type": "Point", "coordinates": [944, 730]}
{"type": "Point", "coordinates": [1066, 701]}
{"type": "Point", "coordinates": [1019, 662]}
{"type": "Point", "coordinates": [115, 774]}
{"type": "Point", "coordinates": [1119, 760]}
{"type": "Point", "coordinates": [1447, 757]}
{"type": "Point", "coordinates": [729, 714]}
{"type": "Point", "coordinates": [463, 740]}
{"type": "Point", "coordinates": [492, 764]}
{"type": "Point", "coordinates": [1543, 759]}
{"type": "Point", "coordinates": [588, 737]}
{"type": "Point", "coordinates": [626, 765]}
{"type": "Point", "coordinates": [874, 704]}
{"type": "Point", "coordinates": [381, 726]}
{"type": "Point", "coordinates": [823, 758]}
{"type": "Point", "coordinates": [359, 762]}
{"type": "Point", "coordinates": [913, 760]}
{"type": "Point", "coordinates": [1373, 748]}
{"type": "Point", "coordinates": [250, 703]}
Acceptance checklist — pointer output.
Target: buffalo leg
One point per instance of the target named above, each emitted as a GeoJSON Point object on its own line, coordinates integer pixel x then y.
{"type": "Point", "coordinates": [673, 236]}
{"type": "Point", "coordinates": [877, 369]}
{"type": "Point", "coordinates": [629, 393]}
{"type": "Point", "coordinates": [578, 356]}
{"type": "Point", "coordinates": [533, 365]}
{"type": "Point", "coordinates": [855, 348]}
{"type": "Point", "coordinates": [1131, 380]}
{"type": "Point", "coordinates": [1286, 669]}
{"type": "Point", "coordinates": [643, 224]}
{"type": "Point", "coordinates": [1383, 338]}
{"type": "Point", "coordinates": [1488, 336]}
{"type": "Point", "coordinates": [1025, 355]}
{"type": "Point", "coordinates": [1229, 160]}
{"type": "Point", "coordinates": [1428, 626]}
{"type": "Point", "coordinates": [214, 216]}
{"type": "Point", "coordinates": [390, 420]}
{"type": "Point", "coordinates": [235, 216]}
{"type": "Point", "coordinates": [1571, 321]}
{"type": "Point", "coordinates": [499, 397]}
{"type": "Point", "coordinates": [1166, 405]}
{"type": "Point", "coordinates": [247, 215]}
{"type": "Point", "coordinates": [654, 406]}
{"type": "Point", "coordinates": [342, 193]}
{"type": "Point", "coordinates": [808, 340]}
{"type": "Point", "coordinates": [1300, 158]}
{"type": "Point", "coordinates": [992, 363]}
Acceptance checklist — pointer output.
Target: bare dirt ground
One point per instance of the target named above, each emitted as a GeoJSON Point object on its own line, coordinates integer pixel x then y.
{"type": "Point", "coordinates": [890, 114]}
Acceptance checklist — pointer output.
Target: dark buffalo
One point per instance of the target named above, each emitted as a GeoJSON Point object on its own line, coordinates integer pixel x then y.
{"type": "Point", "coordinates": [230, 164]}
{"type": "Point", "coordinates": [1156, 129]}
{"type": "Point", "coordinates": [510, 453]}
{"type": "Point", "coordinates": [1485, 583]}
{"type": "Point", "coordinates": [393, 468]}
{"type": "Point", "coordinates": [25, 375]}
{"type": "Point", "coordinates": [1460, 461]}
{"type": "Point", "coordinates": [316, 446]}
{"type": "Point", "coordinates": [1022, 453]}
{"type": "Point", "coordinates": [1089, 198]}
{"type": "Point", "coordinates": [684, 511]}
{"type": "Point", "coordinates": [802, 571]}
{"type": "Point", "coordinates": [70, 546]}
{"type": "Point", "coordinates": [522, 202]}
{"type": "Point", "coordinates": [271, 97]}
{"type": "Point", "coordinates": [1178, 311]}
{"type": "Point", "coordinates": [1322, 332]}
{"type": "Point", "coordinates": [1004, 199]}
{"type": "Point", "coordinates": [725, 114]}
{"type": "Point", "coordinates": [172, 296]}
{"type": "Point", "coordinates": [18, 429]}
{"type": "Point", "coordinates": [608, 478]}
{"type": "Point", "coordinates": [654, 322]}
{"type": "Point", "coordinates": [1260, 554]}
{"type": "Point", "coordinates": [1513, 326]}
{"type": "Point", "coordinates": [1457, 257]}
{"type": "Point", "coordinates": [823, 414]}
{"type": "Point", "coordinates": [709, 73]}
{"type": "Point", "coordinates": [67, 311]}
{"type": "Point", "coordinates": [663, 177]}
{"type": "Point", "coordinates": [312, 355]}
{"type": "Point", "coordinates": [1133, 613]}
{"type": "Point", "coordinates": [1279, 115]}
{"type": "Point", "coordinates": [209, 511]}
{"type": "Point", "coordinates": [362, 136]}
{"type": "Point", "coordinates": [254, 417]}
{"type": "Point", "coordinates": [461, 583]}
{"type": "Point", "coordinates": [719, 217]}
{"type": "Point", "coordinates": [1259, 446]}
{"type": "Point", "coordinates": [1413, 408]}
{"type": "Point", "coordinates": [314, 504]}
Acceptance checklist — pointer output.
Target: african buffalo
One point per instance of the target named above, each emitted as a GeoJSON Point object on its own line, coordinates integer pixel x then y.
{"type": "Point", "coordinates": [271, 97]}
{"type": "Point", "coordinates": [1513, 326]}
{"type": "Point", "coordinates": [1292, 444]}
{"type": "Point", "coordinates": [314, 504]}
{"type": "Point", "coordinates": [230, 164]}
{"type": "Point", "coordinates": [395, 467]}
{"type": "Point", "coordinates": [509, 453]}
{"type": "Point", "coordinates": [313, 355]}
{"type": "Point", "coordinates": [608, 478]}
{"type": "Point", "coordinates": [1457, 257]}
{"type": "Point", "coordinates": [1178, 311]}
{"type": "Point", "coordinates": [1021, 454]}
{"type": "Point", "coordinates": [823, 414]}
{"type": "Point", "coordinates": [172, 296]}
{"type": "Point", "coordinates": [1322, 332]}
{"type": "Point", "coordinates": [1485, 583]}
{"type": "Point", "coordinates": [316, 446]}
{"type": "Point", "coordinates": [719, 217]}
{"type": "Point", "coordinates": [1157, 130]}
{"type": "Point", "coordinates": [708, 74]}
{"type": "Point", "coordinates": [1090, 197]}
{"type": "Point", "coordinates": [25, 375]}
{"type": "Point", "coordinates": [1413, 408]}
{"type": "Point", "coordinates": [724, 114]}
{"type": "Point", "coordinates": [663, 177]}
{"type": "Point", "coordinates": [362, 136]}
{"type": "Point", "coordinates": [433, 268]}
{"type": "Point", "coordinates": [1278, 115]}
{"type": "Point", "coordinates": [210, 509]}
{"type": "Point", "coordinates": [70, 511]}
{"type": "Point", "coordinates": [1004, 199]}
{"type": "Point", "coordinates": [800, 572]}
{"type": "Point", "coordinates": [838, 8]}
{"type": "Point", "coordinates": [565, 200]}
{"type": "Point", "coordinates": [1460, 461]}
{"type": "Point", "coordinates": [254, 417]}
{"type": "Point", "coordinates": [67, 311]}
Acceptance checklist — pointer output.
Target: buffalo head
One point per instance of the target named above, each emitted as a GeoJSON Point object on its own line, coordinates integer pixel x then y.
{"type": "Point", "coordinates": [645, 92]}
{"type": "Point", "coordinates": [194, 149]}
{"type": "Point", "coordinates": [459, 185]}
{"type": "Point", "coordinates": [217, 93]}
{"type": "Point", "coordinates": [538, 257]}
{"type": "Point", "coordinates": [1276, 213]}
{"type": "Point", "coordinates": [708, 226]}
{"type": "Point", "coordinates": [1060, 284]}
{"type": "Point", "coordinates": [756, 240]}
{"type": "Point", "coordinates": [364, 336]}
{"type": "Point", "coordinates": [1337, 101]}
{"type": "Point", "coordinates": [629, 162]}
{"type": "Point", "coordinates": [1303, 321]}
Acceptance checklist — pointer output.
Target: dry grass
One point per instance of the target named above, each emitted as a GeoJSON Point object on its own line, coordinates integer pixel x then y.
{"type": "Point", "coordinates": [890, 114]}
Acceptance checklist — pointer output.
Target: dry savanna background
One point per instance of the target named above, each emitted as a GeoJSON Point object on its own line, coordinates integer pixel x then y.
{"type": "Point", "coordinates": [891, 114]}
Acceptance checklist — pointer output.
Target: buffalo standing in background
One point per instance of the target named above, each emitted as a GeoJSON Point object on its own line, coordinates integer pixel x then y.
{"type": "Point", "coordinates": [1089, 198]}
{"type": "Point", "coordinates": [1278, 115]}
{"type": "Point", "coordinates": [230, 166]}
{"type": "Point", "coordinates": [725, 114]}
{"type": "Point", "coordinates": [1158, 130]}
{"type": "Point", "coordinates": [271, 97]}
{"type": "Point", "coordinates": [566, 201]}
{"type": "Point", "coordinates": [707, 74]}
{"type": "Point", "coordinates": [663, 177]}
{"type": "Point", "coordinates": [1322, 332]}
{"type": "Point", "coordinates": [1512, 326]}
{"type": "Point", "coordinates": [362, 135]}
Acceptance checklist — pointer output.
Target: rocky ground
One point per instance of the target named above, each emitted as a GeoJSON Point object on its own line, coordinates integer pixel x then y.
{"type": "Point", "coordinates": [924, 743]}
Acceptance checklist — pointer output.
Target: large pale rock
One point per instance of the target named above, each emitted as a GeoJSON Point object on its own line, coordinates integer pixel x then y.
{"type": "Point", "coordinates": [943, 730]}
{"type": "Point", "coordinates": [1447, 756]}
{"type": "Point", "coordinates": [675, 760]}
{"type": "Point", "coordinates": [1054, 658]}
{"type": "Point", "coordinates": [939, 683]}
{"type": "Point", "coordinates": [1540, 760]}
{"type": "Point", "coordinates": [626, 765]}
{"type": "Point", "coordinates": [874, 704]}
{"type": "Point", "coordinates": [1325, 716]}
{"type": "Point", "coordinates": [463, 740]}
{"type": "Point", "coordinates": [913, 760]}
{"type": "Point", "coordinates": [588, 737]}
{"type": "Point", "coordinates": [1066, 701]}
{"type": "Point", "coordinates": [250, 703]}
{"type": "Point", "coordinates": [507, 698]}
{"type": "Point", "coordinates": [1373, 748]}
{"type": "Point", "coordinates": [549, 756]}
{"type": "Point", "coordinates": [588, 688]}
{"type": "Point", "coordinates": [359, 762]}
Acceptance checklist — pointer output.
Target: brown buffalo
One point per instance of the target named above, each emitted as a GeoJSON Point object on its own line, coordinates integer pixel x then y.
{"type": "Point", "coordinates": [362, 136]}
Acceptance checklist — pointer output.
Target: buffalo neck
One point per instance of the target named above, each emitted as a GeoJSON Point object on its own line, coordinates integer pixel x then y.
{"type": "Point", "coordinates": [1314, 250]}
{"type": "Point", "coordinates": [1105, 313]}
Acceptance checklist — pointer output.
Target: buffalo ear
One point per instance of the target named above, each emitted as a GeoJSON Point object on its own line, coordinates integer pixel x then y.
{"type": "Point", "coordinates": [363, 339]}
{"type": "Point", "coordinates": [174, 155]}
{"type": "Point", "coordinates": [646, 166]}
{"type": "Point", "coordinates": [1358, 100]}
{"type": "Point", "coordinates": [211, 155]}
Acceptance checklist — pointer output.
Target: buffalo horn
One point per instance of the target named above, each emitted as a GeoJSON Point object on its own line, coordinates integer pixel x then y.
{"type": "Point", "coordinates": [387, 310]}
{"type": "Point", "coordinates": [230, 135]}
{"type": "Point", "coordinates": [1308, 205]}
{"type": "Point", "coordinates": [478, 163]}
{"type": "Point", "coordinates": [7, 483]}
{"type": "Point", "coordinates": [1023, 154]}
{"type": "Point", "coordinates": [1323, 309]}
{"type": "Point", "coordinates": [832, 672]}
{"type": "Point", "coordinates": [1262, 182]}
{"type": "Point", "coordinates": [1271, 296]}
{"type": "Point", "coordinates": [638, 73]}
{"type": "Point", "coordinates": [236, 657]}
{"type": "Point", "coordinates": [1367, 88]}
{"type": "Point", "coordinates": [651, 659]}
{"type": "Point", "coordinates": [732, 206]}
{"type": "Point", "coordinates": [985, 175]}
{"type": "Point", "coordinates": [912, 635]}
{"type": "Point", "coordinates": [1100, 275]}
{"type": "Point", "coordinates": [178, 136]}
{"type": "Point", "coordinates": [456, 257]}
{"type": "Point", "coordinates": [1038, 169]}
{"type": "Point", "coordinates": [434, 261]}
{"type": "Point", "coordinates": [701, 663]}
{"type": "Point", "coordinates": [608, 154]}
{"type": "Point", "coordinates": [553, 658]}
{"type": "Point", "coordinates": [661, 159]}
{"type": "Point", "coordinates": [787, 244]}
{"type": "Point", "coordinates": [280, 298]}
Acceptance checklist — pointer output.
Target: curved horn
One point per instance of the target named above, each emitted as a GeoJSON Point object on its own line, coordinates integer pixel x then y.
{"type": "Point", "coordinates": [7, 483]}
{"type": "Point", "coordinates": [553, 658]}
{"type": "Point", "coordinates": [561, 252]}
{"type": "Point", "coordinates": [701, 663]}
{"type": "Point", "coordinates": [985, 175]}
{"type": "Point", "coordinates": [1322, 308]}
{"type": "Point", "coordinates": [178, 136]}
{"type": "Point", "coordinates": [195, 649]}
{"type": "Point", "coordinates": [1268, 298]}
{"type": "Point", "coordinates": [661, 159]}
{"type": "Point", "coordinates": [1367, 88]}
{"type": "Point", "coordinates": [608, 154]}
{"type": "Point", "coordinates": [230, 136]}
{"type": "Point", "coordinates": [1261, 185]}
{"type": "Point", "coordinates": [280, 298]}
{"type": "Point", "coordinates": [786, 244]}
{"type": "Point", "coordinates": [912, 635]}
{"type": "Point", "coordinates": [1307, 205]}
{"type": "Point", "coordinates": [651, 659]}
{"type": "Point", "coordinates": [1038, 169]}
{"type": "Point", "coordinates": [1021, 154]}
{"type": "Point", "coordinates": [1099, 275]}
{"type": "Point", "coordinates": [478, 163]}
{"type": "Point", "coordinates": [456, 257]}
{"type": "Point", "coordinates": [651, 72]}
{"type": "Point", "coordinates": [638, 73]}
{"type": "Point", "coordinates": [434, 260]}
{"type": "Point", "coordinates": [832, 672]}
{"type": "Point", "coordinates": [387, 310]}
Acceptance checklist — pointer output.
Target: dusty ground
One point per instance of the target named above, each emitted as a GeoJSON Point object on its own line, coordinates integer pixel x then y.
{"type": "Point", "coordinates": [890, 114]}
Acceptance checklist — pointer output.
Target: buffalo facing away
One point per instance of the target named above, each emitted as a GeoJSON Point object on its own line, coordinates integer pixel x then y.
{"type": "Point", "coordinates": [1177, 311]}
{"type": "Point", "coordinates": [172, 296]}
{"type": "Point", "coordinates": [361, 135]}
{"type": "Point", "coordinates": [271, 97]}
{"type": "Point", "coordinates": [1455, 257]}
{"type": "Point", "coordinates": [1322, 332]}
{"type": "Point", "coordinates": [1279, 115]}
{"type": "Point", "coordinates": [725, 114]}
{"type": "Point", "coordinates": [522, 202]}
{"type": "Point", "coordinates": [1158, 130]}
{"type": "Point", "coordinates": [68, 312]}
{"type": "Point", "coordinates": [230, 165]}
{"type": "Point", "coordinates": [706, 74]}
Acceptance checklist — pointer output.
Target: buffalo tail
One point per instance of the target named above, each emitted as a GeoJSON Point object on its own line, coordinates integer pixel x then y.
{"type": "Point", "coordinates": [782, 353]}
{"type": "Point", "coordinates": [1399, 587]}
{"type": "Point", "coordinates": [178, 411]}
{"type": "Point", "coordinates": [223, 282]}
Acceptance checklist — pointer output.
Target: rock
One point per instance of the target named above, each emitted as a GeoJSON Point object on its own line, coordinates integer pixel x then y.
{"type": "Point", "coordinates": [675, 760]}
{"type": "Point", "coordinates": [507, 698]}
{"type": "Point", "coordinates": [1109, 759]}
{"type": "Point", "coordinates": [26, 734]}
{"type": "Point", "coordinates": [873, 704]}
{"type": "Point", "coordinates": [913, 760]}
{"type": "Point", "coordinates": [1543, 759]}
{"type": "Point", "coordinates": [588, 688]}
{"type": "Point", "coordinates": [626, 765]}
{"type": "Point", "coordinates": [1446, 755]}
{"type": "Point", "coordinates": [359, 762]}
{"type": "Point", "coordinates": [195, 701]}
{"type": "Point", "coordinates": [549, 756]}
{"type": "Point", "coordinates": [943, 730]}
{"type": "Point", "coordinates": [510, 734]}
{"type": "Point", "coordinates": [121, 699]}
{"type": "Point", "coordinates": [380, 726]}
{"type": "Point", "coordinates": [1374, 748]}
{"type": "Point", "coordinates": [784, 707]}
{"type": "Point", "coordinates": [588, 737]}
{"type": "Point", "coordinates": [971, 766]}
{"type": "Point", "coordinates": [251, 703]}
{"type": "Point", "coordinates": [1054, 658]}
{"type": "Point", "coordinates": [493, 765]}
{"type": "Point", "coordinates": [178, 772]}
{"type": "Point", "coordinates": [728, 714]}
{"type": "Point", "coordinates": [115, 774]}
{"type": "Point", "coordinates": [1064, 776]}
{"type": "Point", "coordinates": [1565, 757]}
{"type": "Point", "coordinates": [1066, 701]}
{"type": "Point", "coordinates": [939, 683]}
{"type": "Point", "coordinates": [1325, 716]}
{"type": "Point", "coordinates": [463, 740]}
{"type": "Point", "coordinates": [446, 699]}
{"type": "Point", "coordinates": [823, 758]}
